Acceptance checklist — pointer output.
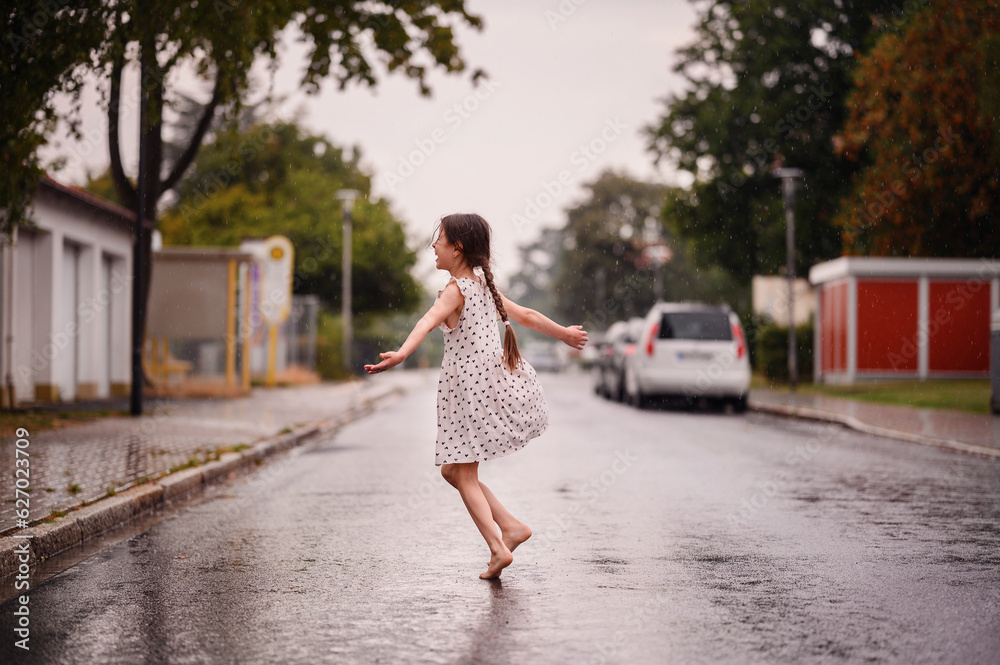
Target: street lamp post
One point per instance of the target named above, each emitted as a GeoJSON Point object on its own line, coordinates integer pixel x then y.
{"type": "Point", "coordinates": [788, 177]}
{"type": "Point", "coordinates": [347, 198]}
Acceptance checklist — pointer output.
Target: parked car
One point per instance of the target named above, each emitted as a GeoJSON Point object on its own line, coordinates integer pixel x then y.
{"type": "Point", "coordinates": [618, 344]}
{"type": "Point", "coordinates": [602, 364]}
{"type": "Point", "coordinates": [689, 350]}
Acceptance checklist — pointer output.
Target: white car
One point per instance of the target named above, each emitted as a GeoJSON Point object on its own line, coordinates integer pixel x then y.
{"type": "Point", "coordinates": [692, 351]}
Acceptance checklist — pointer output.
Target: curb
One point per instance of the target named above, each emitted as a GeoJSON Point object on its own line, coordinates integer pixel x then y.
{"type": "Point", "coordinates": [861, 426]}
{"type": "Point", "coordinates": [41, 541]}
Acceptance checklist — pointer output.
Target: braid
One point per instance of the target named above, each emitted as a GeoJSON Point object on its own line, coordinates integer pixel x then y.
{"type": "Point", "coordinates": [497, 300]}
{"type": "Point", "coordinates": [511, 355]}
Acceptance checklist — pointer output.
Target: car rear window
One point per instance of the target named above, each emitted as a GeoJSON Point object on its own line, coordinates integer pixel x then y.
{"type": "Point", "coordinates": [709, 326]}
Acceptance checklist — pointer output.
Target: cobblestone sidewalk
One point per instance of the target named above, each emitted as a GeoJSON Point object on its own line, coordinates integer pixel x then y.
{"type": "Point", "coordinates": [86, 462]}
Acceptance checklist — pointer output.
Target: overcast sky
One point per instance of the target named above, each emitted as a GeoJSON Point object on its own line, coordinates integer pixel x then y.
{"type": "Point", "coordinates": [571, 84]}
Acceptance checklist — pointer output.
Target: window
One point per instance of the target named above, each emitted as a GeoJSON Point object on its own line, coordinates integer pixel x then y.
{"type": "Point", "coordinates": [707, 326]}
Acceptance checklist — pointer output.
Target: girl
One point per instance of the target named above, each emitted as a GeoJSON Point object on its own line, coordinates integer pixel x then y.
{"type": "Point", "coordinates": [489, 401]}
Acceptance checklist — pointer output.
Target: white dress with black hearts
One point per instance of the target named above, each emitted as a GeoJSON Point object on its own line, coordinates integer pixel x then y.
{"type": "Point", "coordinates": [485, 411]}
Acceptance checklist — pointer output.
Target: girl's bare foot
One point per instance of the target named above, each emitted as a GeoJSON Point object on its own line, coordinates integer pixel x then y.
{"type": "Point", "coordinates": [514, 536]}
{"type": "Point", "coordinates": [498, 562]}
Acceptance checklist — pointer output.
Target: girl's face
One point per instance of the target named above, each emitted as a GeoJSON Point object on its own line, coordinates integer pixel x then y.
{"type": "Point", "coordinates": [446, 254]}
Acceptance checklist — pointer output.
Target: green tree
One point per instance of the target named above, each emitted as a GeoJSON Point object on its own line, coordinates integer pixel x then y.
{"type": "Point", "coordinates": [276, 179]}
{"type": "Point", "coordinates": [766, 86]}
{"type": "Point", "coordinates": [606, 272]}
{"type": "Point", "coordinates": [924, 127]}
{"type": "Point", "coordinates": [44, 47]}
{"type": "Point", "coordinates": [220, 40]}
{"type": "Point", "coordinates": [532, 285]}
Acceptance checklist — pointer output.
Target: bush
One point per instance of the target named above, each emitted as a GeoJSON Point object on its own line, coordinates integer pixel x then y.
{"type": "Point", "coordinates": [329, 344]}
{"type": "Point", "coordinates": [772, 351]}
{"type": "Point", "coordinates": [752, 324]}
{"type": "Point", "coordinates": [373, 333]}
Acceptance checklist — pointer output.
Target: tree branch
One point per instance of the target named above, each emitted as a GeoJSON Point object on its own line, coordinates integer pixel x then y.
{"type": "Point", "coordinates": [125, 189]}
{"type": "Point", "coordinates": [184, 161]}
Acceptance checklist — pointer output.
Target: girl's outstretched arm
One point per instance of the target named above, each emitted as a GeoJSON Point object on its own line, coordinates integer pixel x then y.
{"type": "Point", "coordinates": [574, 336]}
{"type": "Point", "coordinates": [451, 300]}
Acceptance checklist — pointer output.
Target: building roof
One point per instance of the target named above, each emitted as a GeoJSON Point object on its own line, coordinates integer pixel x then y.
{"type": "Point", "coordinates": [79, 196]}
{"type": "Point", "coordinates": [202, 254]}
{"type": "Point", "coordinates": [903, 268]}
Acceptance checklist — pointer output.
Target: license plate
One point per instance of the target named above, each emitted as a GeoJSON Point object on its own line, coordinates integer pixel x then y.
{"type": "Point", "coordinates": [695, 356]}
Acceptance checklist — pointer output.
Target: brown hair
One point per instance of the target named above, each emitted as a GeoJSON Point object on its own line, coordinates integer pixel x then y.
{"type": "Point", "coordinates": [471, 234]}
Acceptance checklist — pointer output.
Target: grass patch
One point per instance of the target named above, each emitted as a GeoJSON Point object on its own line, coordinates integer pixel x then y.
{"type": "Point", "coordinates": [74, 489]}
{"type": "Point", "coordinates": [35, 421]}
{"type": "Point", "coordinates": [969, 395]}
{"type": "Point", "coordinates": [191, 463]}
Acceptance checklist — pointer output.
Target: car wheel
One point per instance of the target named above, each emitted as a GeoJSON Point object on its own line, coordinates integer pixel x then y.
{"type": "Point", "coordinates": [619, 394]}
{"type": "Point", "coordinates": [633, 394]}
{"type": "Point", "coordinates": [740, 404]}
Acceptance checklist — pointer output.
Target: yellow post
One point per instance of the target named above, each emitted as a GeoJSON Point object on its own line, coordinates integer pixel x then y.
{"type": "Point", "coordinates": [272, 353]}
{"type": "Point", "coordinates": [164, 353]}
{"type": "Point", "coordinates": [165, 366]}
{"type": "Point", "coordinates": [246, 326]}
{"type": "Point", "coordinates": [231, 326]}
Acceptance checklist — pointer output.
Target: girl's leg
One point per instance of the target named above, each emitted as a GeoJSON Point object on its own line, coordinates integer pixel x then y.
{"type": "Point", "coordinates": [465, 478]}
{"type": "Point", "coordinates": [513, 530]}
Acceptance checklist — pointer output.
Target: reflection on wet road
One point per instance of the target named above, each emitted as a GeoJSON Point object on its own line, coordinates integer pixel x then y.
{"type": "Point", "coordinates": [660, 537]}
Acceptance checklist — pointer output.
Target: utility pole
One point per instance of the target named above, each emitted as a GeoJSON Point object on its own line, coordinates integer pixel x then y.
{"type": "Point", "coordinates": [788, 177]}
{"type": "Point", "coordinates": [347, 198]}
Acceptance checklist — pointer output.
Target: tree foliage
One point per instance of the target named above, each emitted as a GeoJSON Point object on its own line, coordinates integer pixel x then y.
{"type": "Point", "coordinates": [924, 126]}
{"type": "Point", "coordinates": [276, 179]}
{"type": "Point", "coordinates": [45, 46]}
{"type": "Point", "coordinates": [766, 84]}
{"type": "Point", "coordinates": [52, 46]}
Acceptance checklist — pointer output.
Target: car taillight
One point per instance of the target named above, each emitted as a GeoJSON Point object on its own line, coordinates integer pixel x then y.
{"type": "Point", "coordinates": [629, 350]}
{"type": "Point", "coordinates": [652, 337]}
{"type": "Point", "coordinates": [741, 345]}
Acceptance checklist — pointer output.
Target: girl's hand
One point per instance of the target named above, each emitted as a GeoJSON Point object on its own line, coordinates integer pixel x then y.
{"type": "Point", "coordinates": [575, 336]}
{"type": "Point", "coordinates": [389, 359]}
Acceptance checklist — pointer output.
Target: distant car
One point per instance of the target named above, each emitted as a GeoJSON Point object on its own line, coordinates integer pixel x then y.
{"type": "Point", "coordinates": [591, 353]}
{"type": "Point", "coordinates": [544, 357]}
{"type": "Point", "coordinates": [692, 351]}
{"type": "Point", "coordinates": [618, 344]}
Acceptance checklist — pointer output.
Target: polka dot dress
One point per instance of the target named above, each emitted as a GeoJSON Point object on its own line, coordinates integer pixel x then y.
{"type": "Point", "coordinates": [485, 411]}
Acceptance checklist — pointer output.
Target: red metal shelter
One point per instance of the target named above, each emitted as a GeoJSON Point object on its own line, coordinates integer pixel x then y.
{"type": "Point", "coordinates": [884, 318]}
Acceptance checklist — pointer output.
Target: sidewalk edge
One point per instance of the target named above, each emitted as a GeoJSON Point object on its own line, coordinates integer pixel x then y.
{"type": "Point", "coordinates": [107, 514]}
{"type": "Point", "coordinates": [861, 426]}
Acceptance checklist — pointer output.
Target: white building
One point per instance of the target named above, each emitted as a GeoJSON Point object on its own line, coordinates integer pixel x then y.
{"type": "Point", "coordinates": [770, 298]}
{"type": "Point", "coordinates": [65, 300]}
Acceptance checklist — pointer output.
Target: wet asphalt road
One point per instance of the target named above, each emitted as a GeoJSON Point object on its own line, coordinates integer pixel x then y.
{"type": "Point", "coordinates": [660, 537]}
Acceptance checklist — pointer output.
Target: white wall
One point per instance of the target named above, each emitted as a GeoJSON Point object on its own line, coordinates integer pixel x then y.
{"type": "Point", "coordinates": [72, 323]}
{"type": "Point", "coordinates": [770, 297]}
